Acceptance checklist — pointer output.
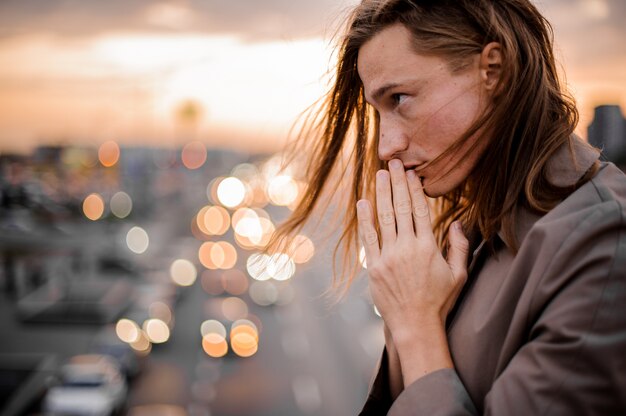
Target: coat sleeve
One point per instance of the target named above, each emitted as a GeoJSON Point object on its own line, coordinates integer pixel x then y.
{"type": "Point", "coordinates": [574, 358]}
{"type": "Point", "coordinates": [379, 398]}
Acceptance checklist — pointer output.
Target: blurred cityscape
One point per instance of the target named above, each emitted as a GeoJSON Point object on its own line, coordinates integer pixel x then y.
{"type": "Point", "coordinates": [138, 184]}
{"type": "Point", "coordinates": [132, 283]}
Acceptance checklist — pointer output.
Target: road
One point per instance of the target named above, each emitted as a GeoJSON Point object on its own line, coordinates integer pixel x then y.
{"type": "Point", "coordinates": [313, 358]}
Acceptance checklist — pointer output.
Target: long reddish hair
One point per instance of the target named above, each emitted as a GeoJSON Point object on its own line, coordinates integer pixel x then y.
{"type": "Point", "coordinates": [531, 116]}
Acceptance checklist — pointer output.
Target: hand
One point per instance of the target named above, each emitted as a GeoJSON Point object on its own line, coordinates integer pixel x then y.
{"type": "Point", "coordinates": [410, 281]}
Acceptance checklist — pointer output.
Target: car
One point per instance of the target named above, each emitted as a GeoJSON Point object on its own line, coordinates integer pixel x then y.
{"type": "Point", "coordinates": [90, 385]}
{"type": "Point", "coordinates": [106, 342]}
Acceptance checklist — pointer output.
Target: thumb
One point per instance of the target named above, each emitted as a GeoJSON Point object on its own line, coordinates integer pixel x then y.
{"type": "Point", "coordinates": [458, 252]}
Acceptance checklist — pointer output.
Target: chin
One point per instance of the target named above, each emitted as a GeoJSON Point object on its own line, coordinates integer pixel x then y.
{"type": "Point", "coordinates": [436, 189]}
{"type": "Point", "coordinates": [430, 191]}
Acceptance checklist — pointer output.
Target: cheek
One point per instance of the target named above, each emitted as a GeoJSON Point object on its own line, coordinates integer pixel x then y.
{"type": "Point", "coordinates": [452, 120]}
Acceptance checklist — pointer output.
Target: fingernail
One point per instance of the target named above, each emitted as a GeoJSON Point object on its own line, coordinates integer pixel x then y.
{"type": "Point", "coordinates": [411, 174]}
{"type": "Point", "coordinates": [395, 163]}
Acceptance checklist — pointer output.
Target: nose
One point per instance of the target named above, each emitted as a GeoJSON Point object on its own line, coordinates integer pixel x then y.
{"type": "Point", "coordinates": [391, 140]}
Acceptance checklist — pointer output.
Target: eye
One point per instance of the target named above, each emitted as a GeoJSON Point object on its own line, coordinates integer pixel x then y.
{"type": "Point", "coordinates": [398, 98]}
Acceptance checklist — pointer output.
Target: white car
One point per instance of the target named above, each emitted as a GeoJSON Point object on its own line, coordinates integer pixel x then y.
{"type": "Point", "coordinates": [91, 385]}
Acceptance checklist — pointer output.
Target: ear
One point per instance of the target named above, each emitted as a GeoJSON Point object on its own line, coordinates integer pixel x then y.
{"type": "Point", "coordinates": [491, 65]}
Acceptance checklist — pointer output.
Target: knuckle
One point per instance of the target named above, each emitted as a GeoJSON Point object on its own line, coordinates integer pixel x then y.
{"type": "Point", "coordinates": [420, 210]}
{"type": "Point", "coordinates": [387, 217]}
{"type": "Point", "coordinates": [403, 206]}
{"type": "Point", "coordinates": [370, 237]}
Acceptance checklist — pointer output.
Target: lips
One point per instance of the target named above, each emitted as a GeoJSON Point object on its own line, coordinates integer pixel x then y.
{"type": "Point", "coordinates": [417, 168]}
{"type": "Point", "coordinates": [414, 167]}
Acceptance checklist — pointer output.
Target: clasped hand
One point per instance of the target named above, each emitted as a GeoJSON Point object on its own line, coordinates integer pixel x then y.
{"type": "Point", "coordinates": [410, 281]}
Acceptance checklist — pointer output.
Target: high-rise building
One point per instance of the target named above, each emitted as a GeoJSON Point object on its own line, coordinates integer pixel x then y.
{"type": "Point", "coordinates": [608, 132]}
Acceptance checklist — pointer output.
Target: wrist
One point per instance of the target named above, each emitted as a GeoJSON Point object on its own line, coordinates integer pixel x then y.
{"type": "Point", "coordinates": [421, 333]}
{"type": "Point", "coordinates": [419, 330]}
{"type": "Point", "coordinates": [422, 349]}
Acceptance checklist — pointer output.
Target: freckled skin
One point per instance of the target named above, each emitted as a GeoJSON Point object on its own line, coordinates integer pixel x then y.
{"type": "Point", "coordinates": [426, 110]}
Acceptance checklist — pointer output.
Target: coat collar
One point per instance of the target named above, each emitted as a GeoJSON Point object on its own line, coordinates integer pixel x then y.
{"type": "Point", "coordinates": [565, 168]}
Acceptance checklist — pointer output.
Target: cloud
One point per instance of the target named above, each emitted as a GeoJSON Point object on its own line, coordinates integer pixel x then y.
{"type": "Point", "coordinates": [252, 19]}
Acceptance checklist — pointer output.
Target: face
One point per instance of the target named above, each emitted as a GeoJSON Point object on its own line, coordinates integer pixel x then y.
{"type": "Point", "coordinates": [423, 107]}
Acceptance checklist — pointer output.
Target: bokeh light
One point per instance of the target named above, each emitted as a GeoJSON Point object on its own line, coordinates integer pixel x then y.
{"type": "Point", "coordinates": [212, 283]}
{"type": "Point", "coordinates": [217, 255]}
{"type": "Point", "coordinates": [121, 204]}
{"type": "Point", "coordinates": [234, 308]}
{"type": "Point", "coordinates": [231, 192]}
{"type": "Point", "coordinates": [142, 344]}
{"type": "Point", "coordinates": [160, 310]}
{"type": "Point", "coordinates": [280, 266]}
{"type": "Point", "coordinates": [212, 326]}
{"type": "Point", "coordinates": [215, 220]}
{"type": "Point", "coordinates": [256, 266]}
{"type": "Point", "coordinates": [127, 330]}
{"type": "Point", "coordinates": [256, 195]}
{"type": "Point", "coordinates": [263, 293]}
{"type": "Point", "coordinates": [274, 166]}
{"type": "Point", "coordinates": [137, 240]}
{"type": "Point", "coordinates": [93, 206]}
{"type": "Point", "coordinates": [193, 155]}
{"type": "Point", "coordinates": [245, 171]}
{"type": "Point", "coordinates": [183, 272]}
{"type": "Point", "coordinates": [283, 190]}
{"type": "Point", "coordinates": [109, 153]}
{"type": "Point", "coordinates": [214, 338]}
{"type": "Point", "coordinates": [223, 255]}
{"type": "Point", "coordinates": [211, 189]}
{"type": "Point", "coordinates": [247, 227]}
{"type": "Point", "coordinates": [199, 222]}
{"type": "Point", "coordinates": [244, 340]}
{"type": "Point", "coordinates": [253, 228]}
{"type": "Point", "coordinates": [214, 345]}
{"type": "Point", "coordinates": [156, 330]}
{"type": "Point", "coordinates": [247, 325]}
{"type": "Point", "coordinates": [302, 249]}
{"type": "Point", "coordinates": [235, 282]}
{"type": "Point", "coordinates": [204, 255]}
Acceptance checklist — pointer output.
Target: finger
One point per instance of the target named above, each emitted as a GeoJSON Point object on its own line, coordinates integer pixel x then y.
{"type": "Point", "coordinates": [367, 231]}
{"type": "Point", "coordinates": [401, 199]}
{"type": "Point", "coordinates": [384, 207]}
{"type": "Point", "coordinates": [421, 211]}
{"type": "Point", "coordinates": [457, 252]}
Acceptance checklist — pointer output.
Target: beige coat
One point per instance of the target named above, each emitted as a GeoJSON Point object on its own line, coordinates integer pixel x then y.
{"type": "Point", "coordinates": [542, 332]}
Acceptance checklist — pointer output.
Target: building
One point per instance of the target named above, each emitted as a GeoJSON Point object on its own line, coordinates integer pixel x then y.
{"type": "Point", "coordinates": [608, 132]}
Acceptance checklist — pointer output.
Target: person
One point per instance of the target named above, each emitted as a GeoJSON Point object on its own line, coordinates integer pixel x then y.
{"type": "Point", "coordinates": [496, 245]}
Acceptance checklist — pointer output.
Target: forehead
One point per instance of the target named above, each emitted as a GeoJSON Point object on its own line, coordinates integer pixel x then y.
{"type": "Point", "coordinates": [390, 57]}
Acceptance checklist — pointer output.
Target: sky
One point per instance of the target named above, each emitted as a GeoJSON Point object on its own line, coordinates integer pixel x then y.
{"type": "Point", "coordinates": [232, 74]}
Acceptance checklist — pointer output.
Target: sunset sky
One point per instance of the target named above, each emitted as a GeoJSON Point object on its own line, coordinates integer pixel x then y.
{"type": "Point", "coordinates": [88, 71]}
